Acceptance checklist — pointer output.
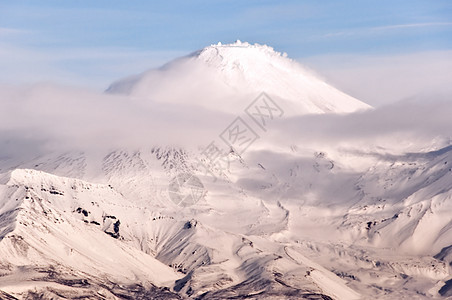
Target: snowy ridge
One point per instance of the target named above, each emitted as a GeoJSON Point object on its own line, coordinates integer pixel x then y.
{"type": "Point", "coordinates": [409, 199]}
{"type": "Point", "coordinates": [60, 225]}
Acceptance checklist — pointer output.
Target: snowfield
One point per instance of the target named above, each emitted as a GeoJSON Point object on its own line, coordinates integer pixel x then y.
{"type": "Point", "coordinates": [283, 220]}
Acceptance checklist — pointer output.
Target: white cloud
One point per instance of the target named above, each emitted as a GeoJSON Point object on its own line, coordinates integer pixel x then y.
{"type": "Point", "coordinates": [383, 79]}
{"type": "Point", "coordinates": [420, 124]}
{"type": "Point", "coordinates": [46, 117]}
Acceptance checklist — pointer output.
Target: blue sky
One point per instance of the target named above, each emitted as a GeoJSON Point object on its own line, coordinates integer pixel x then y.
{"type": "Point", "coordinates": [95, 42]}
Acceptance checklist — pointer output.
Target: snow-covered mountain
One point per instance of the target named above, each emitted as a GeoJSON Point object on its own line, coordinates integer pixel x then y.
{"type": "Point", "coordinates": [281, 220]}
{"type": "Point", "coordinates": [224, 77]}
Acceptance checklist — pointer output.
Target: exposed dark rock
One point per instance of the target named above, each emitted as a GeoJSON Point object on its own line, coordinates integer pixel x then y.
{"type": "Point", "coordinates": [190, 224]}
{"type": "Point", "coordinates": [6, 296]}
{"type": "Point", "coordinates": [82, 211]}
{"type": "Point", "coordinates": [446, 289]}
{"type": "Point", "coordinates": [116, 226]}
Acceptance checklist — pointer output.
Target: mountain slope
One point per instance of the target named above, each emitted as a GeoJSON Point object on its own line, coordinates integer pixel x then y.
{"type": "Point", "coordinates": [240, 239]}
{"type": "Point", "coordinates": [69, 229]}
{"type": "Point", "coordinates": [281, 220]}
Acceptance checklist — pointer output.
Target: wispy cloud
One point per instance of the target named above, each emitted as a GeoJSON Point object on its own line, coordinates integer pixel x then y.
{"type": "Point", "coordinates": [412, 25]}
{"type": "Point", "coordinates": [380, 29]}
{"type": "Point", "coordinates": [5, 31]}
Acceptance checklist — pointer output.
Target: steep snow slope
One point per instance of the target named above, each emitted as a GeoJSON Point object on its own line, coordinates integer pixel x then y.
{"type": "Point", "coordinates": [224, 77]}
{"type": "Point", "coordinates": [408, 198]}
{"type": "Point", "coordinates": [298, 227]}
{"type": "Point", "coordinates": [66, 228]}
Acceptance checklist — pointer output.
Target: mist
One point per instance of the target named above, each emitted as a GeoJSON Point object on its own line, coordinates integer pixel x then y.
{"type": "Point", "coordinates": [417, 124]}
{"type": "Point", "coordinates": [46, 118]}
{"type": "Point", "coordinates": [386, 78]}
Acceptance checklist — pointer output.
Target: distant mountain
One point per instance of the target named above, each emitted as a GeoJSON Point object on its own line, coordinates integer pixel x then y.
{"type": "Point", "coordinates": [224, 76]}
